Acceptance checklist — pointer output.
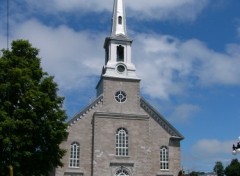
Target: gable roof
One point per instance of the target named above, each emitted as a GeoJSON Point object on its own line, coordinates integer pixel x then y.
{"type": "Point", "coordinates": [160, 119]}
{"type": "Point", "coordinates": [175, 134]}
{"type": "Point", "coordinates": [86, 110]}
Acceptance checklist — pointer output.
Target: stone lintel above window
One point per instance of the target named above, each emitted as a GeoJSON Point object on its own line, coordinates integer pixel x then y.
{"type": "Point", "coordinates": [117, 164]}
{"type": "Point", "coordinates": [73, 174]}
{"type": "Point", "coordinates": [120, 116]}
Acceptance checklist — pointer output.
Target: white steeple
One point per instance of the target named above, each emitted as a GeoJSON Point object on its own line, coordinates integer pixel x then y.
{"type": "Point", "coordinates": [118, 19]}
{"type": "Point", "coordinates": [118, 47]}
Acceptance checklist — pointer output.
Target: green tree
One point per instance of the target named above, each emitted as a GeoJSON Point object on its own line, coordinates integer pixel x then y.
{"type": "Point", "coordinates": [218, 168]}
{"type": "Point", "coordinates": [233, 169]}
{"type": "Point", "coordinates": [32, 121]}
{"type": "Point", "coordinates": [193, 173]}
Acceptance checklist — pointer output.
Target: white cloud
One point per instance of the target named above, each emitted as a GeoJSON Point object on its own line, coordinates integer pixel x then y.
{"type": "Point", "coordinates": [212, 147]}
{"type": "Point", "coordinates": [72, 57]}
{"type": "Point", "coordinates": [183, 112]}
{"type": "Point", "coordinates": [156, 55]}
{"type": "Point", "coordinates": [207, 152]}
{"type": "Point", "coordinates": [173, 66]}
{"type": "Point", "coordinates": [154, 9]}
{"type": "Point", "coordinates": [214, 67]}
{"type": "Point", "coordinates": [171, 9]}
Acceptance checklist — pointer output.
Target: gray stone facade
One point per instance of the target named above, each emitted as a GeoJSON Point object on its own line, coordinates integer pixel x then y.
{"type": "Point", "coordinates": [95, 128]}
{"type": "Point", "coordinates": [148, 144]}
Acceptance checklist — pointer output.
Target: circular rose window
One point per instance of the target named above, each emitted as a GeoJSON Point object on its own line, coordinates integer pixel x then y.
{"type": "Point", "coordinates": [120, 96]}
{"type": "Point", "coordinates": [120, 68]}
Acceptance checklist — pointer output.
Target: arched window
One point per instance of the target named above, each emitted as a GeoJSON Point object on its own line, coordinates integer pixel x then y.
{"type": "Point", "coordinates": [119, 20]}
{"type": "Point", "coordinates": [120, 53]}
{"type": "Point", "coordinates": [122, 142]}
{"type": "Point", "coordinates": [164, 158]}
{"type": "Point", "coordinates": [74, 155]}
{"type": "Point", "coordinates": [122, 172]}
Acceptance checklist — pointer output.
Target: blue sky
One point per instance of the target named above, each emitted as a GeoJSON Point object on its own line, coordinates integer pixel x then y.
{"type": "Point", "coordinates": [187, 53]}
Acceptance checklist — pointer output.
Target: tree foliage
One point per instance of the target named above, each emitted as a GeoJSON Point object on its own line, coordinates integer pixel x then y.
{"type": "Point", "coordinates": [193, 173]}
{"type": "Point", "coordinates": [32, 121]}
{"type": "Point", "coordinates": [233, 169]}
{"type": "Point", "coordinates": [218, 168]}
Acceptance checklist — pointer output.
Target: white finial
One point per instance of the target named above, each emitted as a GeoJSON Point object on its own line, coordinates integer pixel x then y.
{"type": "Point", "coordinates": [119, 19]}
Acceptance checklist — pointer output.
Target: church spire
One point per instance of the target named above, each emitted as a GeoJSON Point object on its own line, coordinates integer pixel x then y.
{"type": "Point", "coordinates": [119, 19]}
{"type": "Point", "coordinates": [118, 57]}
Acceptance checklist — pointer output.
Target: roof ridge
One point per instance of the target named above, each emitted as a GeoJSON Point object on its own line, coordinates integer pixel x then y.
{"type": "Point", "coordinates": [85, 110]}
{"type": "Point", "coordinates": [160, 119]}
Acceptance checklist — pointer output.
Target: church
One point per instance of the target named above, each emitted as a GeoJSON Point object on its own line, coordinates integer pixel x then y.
{"type": "Point", "coordinates": [120, 133]}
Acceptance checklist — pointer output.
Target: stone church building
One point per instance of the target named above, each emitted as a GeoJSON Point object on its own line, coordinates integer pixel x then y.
{"type": "Point", "coordinates": [120, 133]}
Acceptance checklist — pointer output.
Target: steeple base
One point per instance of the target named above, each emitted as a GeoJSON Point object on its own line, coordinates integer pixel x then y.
{"type": "Point", "coordinates": [120, 70]}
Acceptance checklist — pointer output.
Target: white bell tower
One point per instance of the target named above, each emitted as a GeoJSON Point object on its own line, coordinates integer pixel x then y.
{"type": "Point", "coordinates": [118, 57]}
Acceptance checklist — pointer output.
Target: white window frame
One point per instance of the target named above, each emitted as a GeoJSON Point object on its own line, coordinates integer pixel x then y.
{"type": "Point", "coordinates": [164, 158]}
{"type": "Point", "coordinates": [122, 142]}
{"type": "Point", "coordinates": [122, 172]}
{"type": "Point", "coordinates": [74, 160]}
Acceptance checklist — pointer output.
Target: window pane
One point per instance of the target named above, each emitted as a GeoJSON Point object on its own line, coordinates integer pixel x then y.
{"type": "Point", "coordinates": [121, 142]}
{"type": "Point", "coordinates": [164, 165]}
{"type": "Point", "coordinates": [74, 155]}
